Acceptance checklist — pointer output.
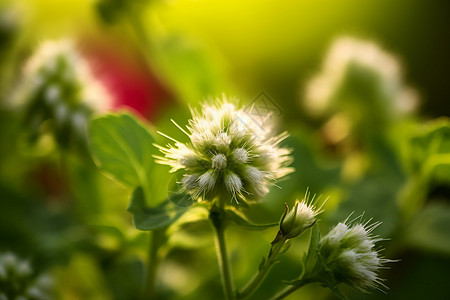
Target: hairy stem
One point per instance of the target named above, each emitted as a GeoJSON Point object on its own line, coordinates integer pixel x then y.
{"type": "Point", "coordinates": [257, 280]}
{"type": "Point", "coordinates": [290, 289]}
{"type": "Point", "coordinates": [216, 217]}
{"type": "Point", "coordinates": [157, 239]}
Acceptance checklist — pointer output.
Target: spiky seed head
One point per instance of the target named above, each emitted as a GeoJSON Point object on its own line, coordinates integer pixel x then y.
{"type": "Point", "coordinates": [241, 159]}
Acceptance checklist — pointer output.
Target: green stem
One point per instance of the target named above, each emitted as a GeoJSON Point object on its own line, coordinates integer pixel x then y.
{"type": "Point", "coordinates": [150, 49]}
{"type": "Point", "coordinates": [216, 217]}
{"type": "Point", "coordinates": [257, 280]}
{"type": "Point", "coordinates": [290, 289]}
{"type": "Point", "coordinates": [157, 239]}
{"type": "Point", "coordinates": [135, 21]}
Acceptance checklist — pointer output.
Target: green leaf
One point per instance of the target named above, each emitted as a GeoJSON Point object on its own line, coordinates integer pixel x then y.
{"type": "Point", "coordinates": [315, 239]}
{"type": "Point", "coordinates": [429, 159]}
{"type": "Point", "coordinates": [261, 264]}
{"type": "Point", "coordinates": [190, 235]}
{"type": "Point", "coordinates": [181, 199]}
{"type": "Point", "coordinates": [337, 291]}
{"type": "Point", "coordinates": [285, 247]}
{"type": "Point", "coordinates": [430, 229]}
{"type": "Point", "coordinates": [122, 147]}
{"type": "Point", "coordinates": [176, 196]}
{"type": "Point", "coordinates": [240, 219]}
{"type": "Point", "coordinates": [431, 151]}
{"type": "Point", "coordinates": [150, 218]}
{"type": "Point", "coordinates": [310, 258]}
{"type": "Point", "coordinates": [365, 195]}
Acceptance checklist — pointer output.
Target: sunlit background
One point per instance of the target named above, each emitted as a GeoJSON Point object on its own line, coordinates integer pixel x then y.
{"type": "Point", "coordinates": [361, 86]}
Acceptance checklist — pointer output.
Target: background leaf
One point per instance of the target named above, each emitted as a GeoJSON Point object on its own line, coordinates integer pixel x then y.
{"type": "Point", "coordinates": [122, 147]}
{"type": "Point", "coordinates": [430, 229]}
{"type": "Point", "coordinates": [310, 258]}
{"type": "Point", "coordinates": [430, 151]}
{"type": "Point", "coordinates": [149, 218]}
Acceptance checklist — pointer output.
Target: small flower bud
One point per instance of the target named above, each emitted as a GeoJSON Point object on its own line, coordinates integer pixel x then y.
{"type": "Point", "coordinates": [233, 183]}
{"type": "Point", "coordinates": [299, 219]}
{"type": "Point", "coordinates": [222, 141]}
{"type": "Point", "coordinates": [206, 182]}
{"type": "Point", "coordinates": [190, 182]}
{"type": "Point", "coordinates": [219, 162]}
{"type": "Point", "coordinates": [254, 175]}
{"type": "Point", "coordinates": [349, 256]}
{"type": "Point", "coordinates": [240, 156]}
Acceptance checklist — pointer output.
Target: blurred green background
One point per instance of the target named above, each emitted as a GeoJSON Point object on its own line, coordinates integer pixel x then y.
{"type": "Point", "coordinates": [157, 58]}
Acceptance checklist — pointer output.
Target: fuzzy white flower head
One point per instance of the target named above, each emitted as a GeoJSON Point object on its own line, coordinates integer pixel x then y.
{"type": "Point", "coordinates": [347, 53]}
{"type": "Point", "coordinates": [228, 156]}
{"type": "Point", "coordinates": [58, 68]}
{"type": "Point", "coordinates": [349, 252]}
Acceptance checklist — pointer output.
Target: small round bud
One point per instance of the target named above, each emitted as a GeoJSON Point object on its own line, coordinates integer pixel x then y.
{"type": "Point", "coordinates": [219, 162]}
{"type": "Point", "coordinates": [240, 155]}
{"type": "Point", "coordinates": [222, 141]}
{"type": "Point", "coordinates": [233, 183]}
{"type": "Point", "coordinates": [206, 182]}
{"type": "Point", "coordinates": [253, 174]}
{"type": "Point", "coordinates": [188, 161]}
{"type": "Point", "coordinates": [190, 182]}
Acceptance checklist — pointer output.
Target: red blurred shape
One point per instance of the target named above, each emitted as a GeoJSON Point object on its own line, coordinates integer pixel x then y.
{"type": "Point", "coordinates": [126, 76]}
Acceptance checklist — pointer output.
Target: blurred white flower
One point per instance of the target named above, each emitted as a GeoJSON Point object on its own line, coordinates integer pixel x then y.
{"type": "Point", "coordinates": [346, 53]}
{"type": "Point", "coordinates": [58, 68]}
{"type": "Point", "coordinates": [19, 281]}
{"type": "Point", "coordinates": [228, 156]}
